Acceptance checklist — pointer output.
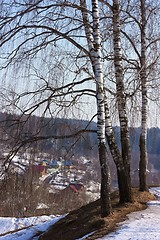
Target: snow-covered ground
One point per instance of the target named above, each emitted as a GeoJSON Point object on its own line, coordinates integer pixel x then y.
{"type": "Point", "coordinates": [25, 228]}
{"type": "Point", "coordinates": [143, 225]}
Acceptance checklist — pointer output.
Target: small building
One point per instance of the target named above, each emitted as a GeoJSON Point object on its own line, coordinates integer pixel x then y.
{"type": "Point", "coordinates": [53, 167]}
{"type": "Point", "coordinates": [44, 164]}
{"type": "Point", "coordinates": [67, 165]}
{"type": "Point", "coordinates": [76, 187]}
{"type": "Point", "coordinates": [54, 164]}
{"type": "Point", "coordinates": [39, 169]}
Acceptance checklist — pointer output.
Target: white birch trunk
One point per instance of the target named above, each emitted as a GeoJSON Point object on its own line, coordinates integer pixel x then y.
{"type": "Point", "coordinates": [94, 45]}
{"type": "Point", "coordinates": [120, 83]}
{"type": "Point", "coordinates": [97, 67]}
{"type": "Point", "coordinates": [121, 101]}
{"type": "Point", "coordinates": [143, 75]}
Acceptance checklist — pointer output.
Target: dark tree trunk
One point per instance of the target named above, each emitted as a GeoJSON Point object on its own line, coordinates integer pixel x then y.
{"type": "Point", "coordinates": [123, 169]}
{"type": "Point", "coordinates": [124, 186]}
{"type": "Point", "coordinates": [124, 181]}
{"type": "Point", "coordinates": [106, 207]}
{"type": "Point", "coordinates": [143, 165]}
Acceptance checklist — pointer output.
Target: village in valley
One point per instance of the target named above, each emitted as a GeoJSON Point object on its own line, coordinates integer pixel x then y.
{"type": "Point", "coordinates": [48, 185]}
{"type": "Point", "coordinates": [61, 174]}
{"type": "Point", "coordinates": [44, 183]}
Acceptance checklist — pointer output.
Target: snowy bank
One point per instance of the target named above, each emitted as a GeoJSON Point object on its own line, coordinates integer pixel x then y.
{"type": "Point", "coordinates": [25, 228]}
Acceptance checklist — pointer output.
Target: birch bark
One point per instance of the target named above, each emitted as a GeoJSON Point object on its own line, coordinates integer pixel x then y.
{"type": "Point", "coordinates": [143, 75]}
{"type": "Point", "coordinates": [121, 101]}
{"type": "Point", "coordinates": [94, 45]}
{"type": "Point", "coordinates": [123, 183]}
{"type": "Point", "coordinates": [105, 173]}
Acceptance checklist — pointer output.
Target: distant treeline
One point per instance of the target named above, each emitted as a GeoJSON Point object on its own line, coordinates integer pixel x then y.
{"type": "Point", "coordinates": [27, 127]}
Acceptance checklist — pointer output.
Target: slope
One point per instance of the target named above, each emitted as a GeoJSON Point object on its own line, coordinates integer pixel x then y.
{"type": "Point", "coordinates": [87, 219]}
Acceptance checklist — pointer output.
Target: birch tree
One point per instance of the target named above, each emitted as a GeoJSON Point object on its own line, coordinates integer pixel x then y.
{"type": "Point", "coordinates": [122, 159]}
{"type": "Point", "coordinates": [121, 100]}
{"type": "Point", "coordinates": [94, 46]}
{"type": "Point", "coordinates": [97, 67]}
{"type": "Point", "coordinates": [53, 23]}
{"type": "Point", "coordinates": [143, 75]}
{"type": "Point", "coordinates": [143, 38]}
{"type": "Point", "coordinates": [44, 25]}
{"type": "Point", "coordinates": [123, 168]}
{"type": "Point", "coordinates": [146, 69]}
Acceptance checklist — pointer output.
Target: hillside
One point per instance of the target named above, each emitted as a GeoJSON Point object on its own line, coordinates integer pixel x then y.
{"type": "Point", "coordinates": [87, 219]}
{"type": "Point", "coordinates": [39, 174]}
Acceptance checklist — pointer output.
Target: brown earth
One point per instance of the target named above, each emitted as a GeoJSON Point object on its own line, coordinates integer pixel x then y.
{"type": "Point", "coordinates": [87, 219]}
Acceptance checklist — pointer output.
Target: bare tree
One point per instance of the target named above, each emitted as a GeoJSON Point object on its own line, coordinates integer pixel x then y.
{"type": "Point", "coordinates": [43, 29]}
{"type": "Point", "coordinates": [142, 46]}
{"type": "Point", "coordinates": [94, 45]}
{"type": "Point", "coordinates": [97, 68]}
{"type": "Point", "coordinates": [121, 100]}
{"type": "Point", "coordinates": [122, 160]}
{"type": "Point", "coordinates": [143, 76]}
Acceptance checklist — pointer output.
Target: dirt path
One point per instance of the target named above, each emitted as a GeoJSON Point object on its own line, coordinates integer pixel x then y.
{"type": "Point", "coordinates": [143, 225]}
{"type": "Point", "coordinates": [87, 219]}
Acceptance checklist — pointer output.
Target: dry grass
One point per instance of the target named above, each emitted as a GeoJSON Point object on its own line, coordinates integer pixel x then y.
{"type": "Point", "coordinates": [87, 219]}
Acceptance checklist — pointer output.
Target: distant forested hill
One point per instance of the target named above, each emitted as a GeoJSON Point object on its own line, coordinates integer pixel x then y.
{"type": "Point", "coordinates": [15, 126]}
